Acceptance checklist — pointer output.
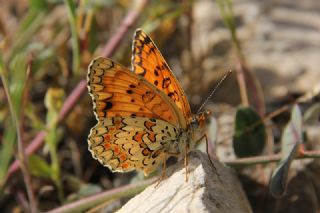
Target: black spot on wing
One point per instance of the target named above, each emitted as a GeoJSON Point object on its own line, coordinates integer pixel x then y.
{"type": "Point", "coordinates": [166, 82]}
{"type": "Point", "coordinates": [108, 105]}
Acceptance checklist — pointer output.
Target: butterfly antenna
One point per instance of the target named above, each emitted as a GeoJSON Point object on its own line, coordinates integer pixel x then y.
{"type": "Point", "coordinates": [214, 90]}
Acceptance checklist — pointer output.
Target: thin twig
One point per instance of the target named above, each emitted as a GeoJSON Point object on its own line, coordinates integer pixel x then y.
{"type": "Point", "coordinates": [242, 162]}
{"type": "Point", "coordinates": [242, 85]}
{"type": "Point", "coordinates": [254, 86]}
{"type": "Point", "coordinates": [263, 120]}
{"type": "Point", "coordinates": [94, 200]}
{"type": "Point", "coordinates": [122, 30]}
{"type": "Point", "coordinates": [34, 145]}
{"type": "Point", "coordinates": [24, 162]}
{"type": "Point", "coordinates": [100, 207]}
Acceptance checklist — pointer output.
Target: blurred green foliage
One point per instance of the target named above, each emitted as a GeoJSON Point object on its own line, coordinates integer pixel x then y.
{"type": "Point", "coordinates": [250, 133]}
{"type": "Point", "coordinates": [291, 142]}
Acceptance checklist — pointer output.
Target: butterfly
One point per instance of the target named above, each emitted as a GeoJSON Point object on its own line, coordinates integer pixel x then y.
{"type": "Point", "coordinates": [143, 114]}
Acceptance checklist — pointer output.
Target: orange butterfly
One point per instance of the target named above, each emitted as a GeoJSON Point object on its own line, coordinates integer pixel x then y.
{"type": "Point", "coordinates": [143, 116]}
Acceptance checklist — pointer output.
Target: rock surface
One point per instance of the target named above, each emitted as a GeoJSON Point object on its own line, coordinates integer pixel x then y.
{"type": "Point", "coordinates": [207, 190]}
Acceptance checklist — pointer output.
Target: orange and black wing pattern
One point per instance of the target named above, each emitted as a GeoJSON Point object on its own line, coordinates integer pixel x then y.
{"type": "Point", "coordinates": [148, 62]}
{"type": "Point", "coordinates": [124, 144]}
{"type": "Point", "coordinates": [116, 91]}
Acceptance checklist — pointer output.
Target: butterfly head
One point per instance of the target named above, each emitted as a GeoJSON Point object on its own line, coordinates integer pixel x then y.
{"type": "Point", "coordinates": [200, 120]}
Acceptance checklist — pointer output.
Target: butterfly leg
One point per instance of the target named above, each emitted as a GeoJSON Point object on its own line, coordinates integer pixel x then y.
{"type": "Point", "coordinates": [186, 161]}
{"type": "Point", "coordinates": [207, 149]}
{"type": "Point", "coordinates": [163, 173]}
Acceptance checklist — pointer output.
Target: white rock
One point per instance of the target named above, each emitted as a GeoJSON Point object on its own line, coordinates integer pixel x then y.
{"type": "Point", "coordinates": [207, 190]}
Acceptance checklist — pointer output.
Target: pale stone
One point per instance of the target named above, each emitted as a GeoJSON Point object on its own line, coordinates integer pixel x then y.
{"type": "Point", "coordinates": [207, 190]}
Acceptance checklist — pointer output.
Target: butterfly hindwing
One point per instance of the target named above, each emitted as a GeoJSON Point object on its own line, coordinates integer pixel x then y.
{"type": "Point", "coordinates": [125, 144]}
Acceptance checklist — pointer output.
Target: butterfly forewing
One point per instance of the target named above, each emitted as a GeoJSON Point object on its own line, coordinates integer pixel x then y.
{"type": "Point", "coordinates": [148, 62]}
{"type": "Point", "coordinates": [116, 91]}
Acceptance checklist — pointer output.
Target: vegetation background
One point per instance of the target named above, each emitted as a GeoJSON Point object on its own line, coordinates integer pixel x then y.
{"type": "Point", "coordinates": [266, 112]}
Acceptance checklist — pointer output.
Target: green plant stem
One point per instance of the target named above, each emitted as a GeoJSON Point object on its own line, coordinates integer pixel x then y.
{"type": "Point", "coordinates": [74, 36]}
{"type": "Point", "coordinates": [56, 174]}
{"type": "Point", "coordinates": [22, 159]}
{"type": "Point", "coordinates": [246, 80]}
{"type": "Point", "coordinates": [228, 19]}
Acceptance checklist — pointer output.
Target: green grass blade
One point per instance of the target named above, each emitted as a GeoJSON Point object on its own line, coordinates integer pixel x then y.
{"type": "Point", "coordinates": [6, 150]}
{"type": "Point", "coordinates": [71, 9]}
